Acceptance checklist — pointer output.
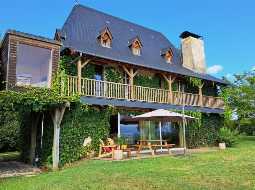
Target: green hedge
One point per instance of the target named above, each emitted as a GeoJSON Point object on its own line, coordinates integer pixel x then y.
{"type": "Point", "coordinates": [9, 130]}
{"type": "Point", "coordinates": [10, 121]}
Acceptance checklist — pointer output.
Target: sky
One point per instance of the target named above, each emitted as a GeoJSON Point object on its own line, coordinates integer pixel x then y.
{"type": "Point", "coordinates": [227, 26]}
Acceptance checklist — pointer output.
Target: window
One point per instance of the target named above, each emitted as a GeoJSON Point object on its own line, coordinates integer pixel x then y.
{"type": "Point", "coordinates": [105, 38]}
{"type": "Point", "coordinates": [106, 41]}
{"type": "Point", "coordinates": [167, 54]}
{"type": "Point", "coordinates": [136, 46]}
{"type": "Point", "coordinates": [136, 51]}
{"type": "Point", "coordinates": [33, 66]}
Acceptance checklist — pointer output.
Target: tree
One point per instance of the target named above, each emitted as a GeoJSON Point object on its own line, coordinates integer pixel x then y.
{"type": "Point", "coordinates": [240, 97]}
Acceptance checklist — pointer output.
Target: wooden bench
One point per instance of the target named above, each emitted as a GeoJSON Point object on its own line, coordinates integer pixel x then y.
{"type": "Point", "coordinates": [167, 146]}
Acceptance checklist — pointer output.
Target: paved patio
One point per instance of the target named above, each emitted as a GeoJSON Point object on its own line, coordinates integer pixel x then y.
{"type": "Point", "coordinates": [14, 168]}
{"type": "Point", "coordinates": [161, 153]}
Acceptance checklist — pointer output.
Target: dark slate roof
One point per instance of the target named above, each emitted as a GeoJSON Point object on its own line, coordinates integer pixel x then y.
{"type": "Point", "coordinates": [144, 105]}
{"type": "Point", "coordinates": [84, 24]}
{"type": "Point", "coordinates": [32, 36]}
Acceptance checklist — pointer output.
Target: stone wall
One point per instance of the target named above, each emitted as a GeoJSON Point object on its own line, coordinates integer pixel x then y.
{"type": "Point", "coordinates": [193, 54]}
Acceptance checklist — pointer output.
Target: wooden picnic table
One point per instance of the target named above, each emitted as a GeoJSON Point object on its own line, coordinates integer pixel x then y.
{"type": "Point", "coordinates": [153, 145]}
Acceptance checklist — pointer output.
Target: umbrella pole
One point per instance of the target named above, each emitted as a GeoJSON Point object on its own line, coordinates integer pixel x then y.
{"type": "Point", "coordinates": [118, 124]}
{"type": "Point", "coordinates": [149, 130]}
{"type": "Point", "coordinates": [184, 131]}
{"type": "Point", "coordinates": [160, 135]}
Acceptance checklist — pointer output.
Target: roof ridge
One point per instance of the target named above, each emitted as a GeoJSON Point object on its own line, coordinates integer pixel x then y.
{"type": "Point", "coordinates": [32, 36]}
{"type": "Point", "coordinates": [116, 17]}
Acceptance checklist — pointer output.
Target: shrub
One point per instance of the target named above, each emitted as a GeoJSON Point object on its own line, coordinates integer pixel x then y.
{"type": "Point", "coordinates": [228, 136]}
{"type": "Point", "coordinates": [9, 130]}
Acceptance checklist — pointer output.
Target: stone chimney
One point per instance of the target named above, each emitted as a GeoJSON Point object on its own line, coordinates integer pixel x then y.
{"type": "Point", "coordinates": [193, 54]}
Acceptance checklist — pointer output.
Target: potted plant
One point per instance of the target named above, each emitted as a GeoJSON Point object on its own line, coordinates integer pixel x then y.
{"type": "Point", "coordinates": [118, 153]}
{"type": "Point", "coordinates": [227, 138]}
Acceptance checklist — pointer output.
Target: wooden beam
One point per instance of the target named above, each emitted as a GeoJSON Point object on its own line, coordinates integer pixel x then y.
{"type": "Point", "coordinates": [165, 77]}
{"type": "Point", "coordinates": [57, 116]}
{"type": "Point", "coordinates": [136, 72]}
{"type": "Point", "coordinates": [85, 63]}
{"type": "Point", "coordinates": [126, 70]}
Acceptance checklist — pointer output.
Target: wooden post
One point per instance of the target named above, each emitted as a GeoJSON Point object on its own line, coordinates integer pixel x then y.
{"type": "Point", "coordinates": [131, 75]}
{"type": "Point", "coordinates": [79, 75]}
{"type": "Point", "coordinates": [35, 118]}
{"type": "Point", "coordinates": [200, 95]}
{"type": "Point", "coordinates": [80, 66]}
{"type": "Point", "coordinates": [169, 80]}
{"type": "Point", "coordinates": [57, 116]}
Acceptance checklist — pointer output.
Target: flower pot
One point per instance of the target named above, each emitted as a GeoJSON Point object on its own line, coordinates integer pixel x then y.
{"type": "Point", "coordinates": [117, 154]}
{"type": "Point", "coordinates": [222, 146]}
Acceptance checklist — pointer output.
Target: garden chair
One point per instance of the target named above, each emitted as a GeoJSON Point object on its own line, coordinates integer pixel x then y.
{"type": "Point", "coordinates": [106, 150]}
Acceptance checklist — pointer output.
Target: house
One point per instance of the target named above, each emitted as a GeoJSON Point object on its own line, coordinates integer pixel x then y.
{"type": "Point", "coordinates": [116, 63]}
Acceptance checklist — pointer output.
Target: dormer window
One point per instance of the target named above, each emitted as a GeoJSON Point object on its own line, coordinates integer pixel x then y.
{"type": "Point", "coordinates": [105, 38]}
{"type": "Point", "coordinates": [167, 54]}
{"type": "Point", "coordinates": [135, 46]}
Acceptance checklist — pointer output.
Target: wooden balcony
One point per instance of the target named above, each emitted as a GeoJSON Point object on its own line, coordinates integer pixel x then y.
{"type": "Point", "coordinates": [111, 90]}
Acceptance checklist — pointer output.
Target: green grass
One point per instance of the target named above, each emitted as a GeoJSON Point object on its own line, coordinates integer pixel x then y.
{"type": "Point", "coordinates": [9, 156]}
{"type": "Point", "coordinates": [230, 169]}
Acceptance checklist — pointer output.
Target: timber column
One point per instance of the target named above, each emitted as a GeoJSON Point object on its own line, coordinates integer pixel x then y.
{"type": "Point", "coordinates": [200, 93]}
{"type": "Point", "coordinates": [80, 66]}
{"type": "Point", "coordinates": [57, 116]}
{"type": "Point", "coordinates": [131, 75]}
{"type": "Point", "coordinates": [79, 75]}
{"type": "Point", "coordinates": [169, 79]}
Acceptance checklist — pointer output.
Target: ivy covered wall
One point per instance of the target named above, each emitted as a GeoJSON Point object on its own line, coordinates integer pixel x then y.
{"type": "Point", "coordinates": [205, 134]}
{"type": "Point", "coordinates": [79, 122]}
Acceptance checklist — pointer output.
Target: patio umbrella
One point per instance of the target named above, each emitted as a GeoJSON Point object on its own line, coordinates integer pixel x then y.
{"type": "Point", "coordinates": [164, 115]}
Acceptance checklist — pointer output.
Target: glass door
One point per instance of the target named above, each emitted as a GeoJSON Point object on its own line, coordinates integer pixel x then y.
{"type": "Point", "coordinates": [149, 130]}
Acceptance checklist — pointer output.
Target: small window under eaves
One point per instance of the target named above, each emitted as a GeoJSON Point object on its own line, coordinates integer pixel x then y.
{"type": "Point", "coordinates": [167, 54]}
{"type": "Point", "coordinates": [135, 46]}
{"type": "Point", "coordinates": [105, 38]}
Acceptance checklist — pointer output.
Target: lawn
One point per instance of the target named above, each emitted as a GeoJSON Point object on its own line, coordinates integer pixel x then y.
{"type": "Point", "coordinates": [230, 169]}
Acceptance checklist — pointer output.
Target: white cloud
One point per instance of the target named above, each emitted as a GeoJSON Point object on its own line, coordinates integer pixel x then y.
{"type": "Point", "coordinates": [230, 77]}
{"type": "Point", "coordinates": [214, 69]}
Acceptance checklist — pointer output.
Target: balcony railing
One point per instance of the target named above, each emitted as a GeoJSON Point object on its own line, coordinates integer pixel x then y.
{"type": "Point", "coordinates": [111, 90]}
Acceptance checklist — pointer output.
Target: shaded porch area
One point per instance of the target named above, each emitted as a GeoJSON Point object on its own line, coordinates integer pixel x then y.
{"type": "Point", "coordinates": [156, 132]}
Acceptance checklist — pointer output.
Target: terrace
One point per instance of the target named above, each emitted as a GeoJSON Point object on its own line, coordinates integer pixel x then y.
{"type": "Point", "coordinates": [111, 90]}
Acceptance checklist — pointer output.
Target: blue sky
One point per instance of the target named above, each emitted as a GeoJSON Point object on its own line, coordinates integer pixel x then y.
{"type": "Point", "coordinates": [228, 27]}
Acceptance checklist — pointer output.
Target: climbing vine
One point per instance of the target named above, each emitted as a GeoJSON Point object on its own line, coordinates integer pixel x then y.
{"type": "Point", "coordinates": [149, 81]}
{"type": "Point", "coordinates": [113, 75]}
{"type": "Point", "coordinates": [195, 81]}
